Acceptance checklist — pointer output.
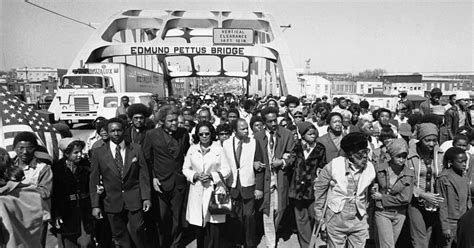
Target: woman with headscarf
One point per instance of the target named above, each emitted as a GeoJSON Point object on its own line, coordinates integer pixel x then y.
{"type": "Point", "coordinates": [72, 209]}
{"type": "Point", "coordinates": [395, 189]}
{"type": "Point", "coordinates": [425, 158]}
{"type": "Point", "coordinates": [202, 169]}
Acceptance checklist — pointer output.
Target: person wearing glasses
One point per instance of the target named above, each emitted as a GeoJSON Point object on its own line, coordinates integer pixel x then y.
{"type": "Point", "coordinates": [425, 158]}
{"type": "Point", "coordinates": [343, 186]}
{"type": "Point", "coordinates": [224, 131]}
{"type": "Point", "coordinates": [238, 155]}
{"type": "Point", "coordinates": [201, 168]}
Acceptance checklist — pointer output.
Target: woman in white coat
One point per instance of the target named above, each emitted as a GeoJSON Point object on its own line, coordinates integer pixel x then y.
{"type": "Point", "coordinates": [201, 168]}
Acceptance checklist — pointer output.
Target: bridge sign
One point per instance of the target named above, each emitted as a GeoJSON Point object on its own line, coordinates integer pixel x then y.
{"type": "Point", "coordinates": [233, 36]}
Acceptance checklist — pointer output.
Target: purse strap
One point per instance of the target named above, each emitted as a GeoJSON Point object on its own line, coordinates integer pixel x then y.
{"type": "Point", "coordinates": [223, 183]}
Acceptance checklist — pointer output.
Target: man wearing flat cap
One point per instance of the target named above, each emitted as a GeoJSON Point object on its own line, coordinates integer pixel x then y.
{"type": "Point", "coordinates": [343, 187]}
{"type": "Point", "coordinates": [138, 113]}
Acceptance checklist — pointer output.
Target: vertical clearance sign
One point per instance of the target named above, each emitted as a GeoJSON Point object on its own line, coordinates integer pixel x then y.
{"type": "Point", "coordinates": [233, 36]}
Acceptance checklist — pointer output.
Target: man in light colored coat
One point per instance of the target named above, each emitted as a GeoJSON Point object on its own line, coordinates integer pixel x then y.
{"type": "Point", "coordinates": [238, 154]}
{"type": "Point", "coordinates": [343, 185]}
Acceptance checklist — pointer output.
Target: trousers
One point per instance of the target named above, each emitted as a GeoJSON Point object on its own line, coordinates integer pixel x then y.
{"type": "Point", "coordinates": [346, 232]}
{"type": "Point", "coordinates": [388, 225]}
{"type": "Point", "coordinates": [422, 224]}
{"type": "Point", "coordinates": [304, 216]}
{"type": "Point", "coordinates": [122, 234]}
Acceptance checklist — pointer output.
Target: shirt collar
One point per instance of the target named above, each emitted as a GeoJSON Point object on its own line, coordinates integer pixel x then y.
{"type": "Point", "coordinates": [113, 146]}
{"type": "Point", "coordinates": [33, 164]}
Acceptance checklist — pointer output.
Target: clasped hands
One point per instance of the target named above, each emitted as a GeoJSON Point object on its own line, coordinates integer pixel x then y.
{"type": "Point", "coordinates": [201, 176]}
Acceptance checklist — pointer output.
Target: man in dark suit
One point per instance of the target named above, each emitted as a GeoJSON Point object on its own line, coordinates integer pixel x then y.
{"type": "Point", "coordinates": [125, 178]}
{"type": "Point", "coordinates": [165, 148]}
{"type": "Point", "coordinates": [274, 157]}
{"type": "Point", "coordinates": [332, 140]}
{"type": "Point", "coordinates": [238, 155]}
{"type": "Point", "coordinates": [138, 113]}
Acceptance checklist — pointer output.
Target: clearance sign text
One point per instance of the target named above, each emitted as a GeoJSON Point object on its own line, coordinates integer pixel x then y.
{"type": "Point", "coordinates": [166, 50]}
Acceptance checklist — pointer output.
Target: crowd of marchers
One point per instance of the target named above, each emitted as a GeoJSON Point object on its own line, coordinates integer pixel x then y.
{"type": "Point", "coordinates": [237, 171]}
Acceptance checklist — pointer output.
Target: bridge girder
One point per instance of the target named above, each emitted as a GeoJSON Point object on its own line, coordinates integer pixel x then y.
{"type": "Point", "coordinates": [153, 32]}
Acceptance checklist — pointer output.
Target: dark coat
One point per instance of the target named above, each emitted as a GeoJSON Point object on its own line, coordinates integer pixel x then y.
{"type": "Point", "coordinates": [454, 189]}
{"type": "Point", "coordinates": [331, 150]}
{"type": "Point", "coordinates": [165, 154]}
{"type": "Point", "coordinates": [305, 171]}
{"type": "Point", "coordinates": [284, 144]}
{"type": "Point", "coordinates": [65, 184]}
{"type": "Point", "coordinates": [131, 135]}
{"type": "Point", "coordinates": [451, 119]}
{"type": "Point", "coordinates": [400, 193]}
{"type": "Point", "coordinates": [466, 229]}
{"type": "Point", "coordinates": [127, 192]}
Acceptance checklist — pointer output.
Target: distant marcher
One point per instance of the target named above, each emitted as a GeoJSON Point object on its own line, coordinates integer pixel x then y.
{"type": "Point", "coordinates": [426, 107]}
{"type": "Point", "coordinates": [458, 115]}
{"type": "Point", "coordinates": [122, 109]}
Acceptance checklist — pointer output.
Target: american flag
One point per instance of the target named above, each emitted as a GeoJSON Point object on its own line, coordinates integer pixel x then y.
{"type": "Point", "coordinates": [16, 116]}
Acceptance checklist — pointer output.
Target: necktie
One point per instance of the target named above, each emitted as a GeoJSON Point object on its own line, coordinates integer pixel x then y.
{"type": "Point", "coordinates": [118, 159]}
{"type": "Point", "coordinates": [239, 153]}
{"type": "Point", "coordinates": [272, 140]}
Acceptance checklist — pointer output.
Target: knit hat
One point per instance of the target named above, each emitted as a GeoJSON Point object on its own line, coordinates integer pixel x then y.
{"type": "Point", "coordinates": [404, 129]}
{"type": "Point", "coordinates": [396, 147]}
{"type": "Point", "coordinates": [354, 142]}
{"type": "Point", "coordinates": [426, 129]}
{"type": "Point", "coordinates": [304, 126]}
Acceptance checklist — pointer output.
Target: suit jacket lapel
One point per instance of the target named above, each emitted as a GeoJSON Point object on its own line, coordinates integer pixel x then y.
{"type": "Point", "coordinates": [110, 161]}
{"type": "Point", "coordinates": [128, 159]}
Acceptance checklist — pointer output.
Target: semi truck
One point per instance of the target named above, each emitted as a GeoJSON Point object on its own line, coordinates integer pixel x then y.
{"type": "Point", "coordinates": [80, 93]}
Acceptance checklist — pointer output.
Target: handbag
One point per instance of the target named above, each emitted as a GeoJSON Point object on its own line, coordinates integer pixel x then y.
{"type": "Point", "coordinates": [220, 202]}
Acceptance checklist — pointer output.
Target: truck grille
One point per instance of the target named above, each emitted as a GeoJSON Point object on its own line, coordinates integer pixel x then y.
{"type": "Point", "coordinates": [81, 104]}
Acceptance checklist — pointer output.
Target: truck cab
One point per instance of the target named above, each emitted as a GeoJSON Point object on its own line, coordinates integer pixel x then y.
{"type": "Point", "coordinates": [78, 96]}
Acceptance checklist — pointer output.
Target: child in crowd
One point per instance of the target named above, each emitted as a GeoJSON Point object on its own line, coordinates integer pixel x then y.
{"type": "Point", "coordinates": [452, 185]}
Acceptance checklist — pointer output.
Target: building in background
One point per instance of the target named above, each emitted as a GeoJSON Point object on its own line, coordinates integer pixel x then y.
{"type": "Point", "coordinates": [37, 74]}
{"type": "Point", "coordinates": [368, 87]}
{"type": "Point", "coordinates": [315, 86]}
{"type": "Point", "coordinates": [394, 84]}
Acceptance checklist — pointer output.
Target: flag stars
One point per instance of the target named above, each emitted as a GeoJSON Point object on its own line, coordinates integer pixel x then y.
{"type": "Point", "coordinates": [4, 102]}
{"type": "Point", "coordinates": [20, 120]}
{"type": "Point", "coordinates": [7, 120]}
{"type": "Point", "coordinates": [13, 115]}
{"type": "Point", "coordinates": [5, 111]}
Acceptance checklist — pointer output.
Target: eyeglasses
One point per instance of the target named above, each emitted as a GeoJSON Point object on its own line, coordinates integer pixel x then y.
{"type": "Point", "coordinates": [298, 116]}
{"type": "Point", "coordinates": [224, 133]}
{"type": "Point", "coordinates": [204, 134]}
{"type": "Point", "coordinates": [362, 153]}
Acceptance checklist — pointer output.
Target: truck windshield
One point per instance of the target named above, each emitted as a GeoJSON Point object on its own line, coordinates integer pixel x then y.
{"type": "Point", "coordinates": [82, 81]}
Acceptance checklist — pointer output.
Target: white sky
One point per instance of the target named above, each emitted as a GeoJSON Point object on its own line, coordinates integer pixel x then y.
{"type": "Point", "coordinates": [338, 36]}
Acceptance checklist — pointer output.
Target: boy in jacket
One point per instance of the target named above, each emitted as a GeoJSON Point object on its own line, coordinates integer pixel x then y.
{"type": "Point", "coordinates": [452, 185]}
